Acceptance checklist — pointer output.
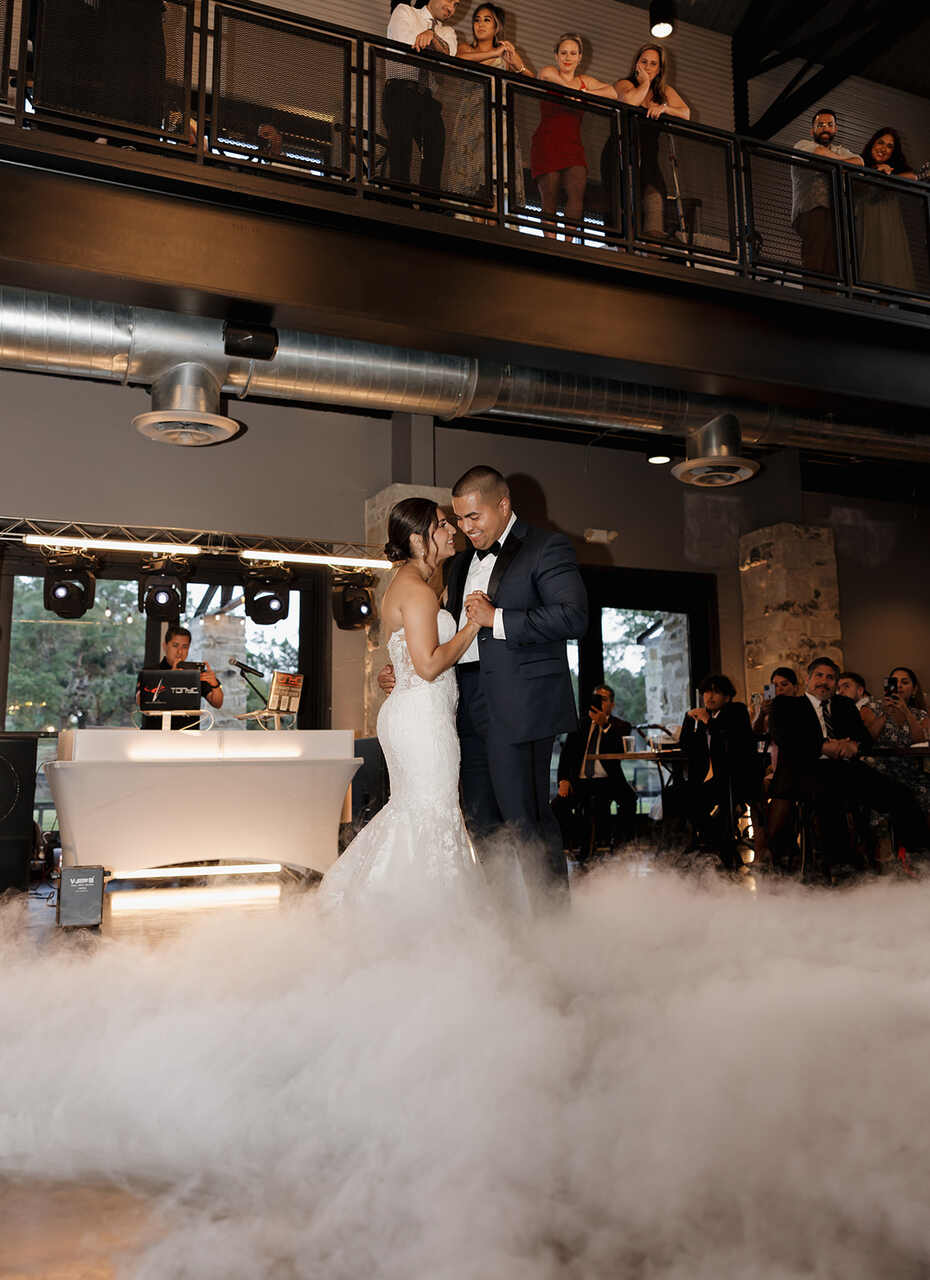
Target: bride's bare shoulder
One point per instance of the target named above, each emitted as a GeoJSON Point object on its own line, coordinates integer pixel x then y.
{"type": "Point", "coordinates": [408, 594]}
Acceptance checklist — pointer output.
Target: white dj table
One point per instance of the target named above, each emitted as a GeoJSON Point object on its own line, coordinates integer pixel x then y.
{"type": "Point", "coordinates": [129, 800]}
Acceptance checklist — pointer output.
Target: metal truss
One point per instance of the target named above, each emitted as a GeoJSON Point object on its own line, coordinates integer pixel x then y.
{"type": "Point", "coordinates": [211, 542]}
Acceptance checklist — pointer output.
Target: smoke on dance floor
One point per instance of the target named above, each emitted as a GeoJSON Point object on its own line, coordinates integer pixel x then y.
{"type": "Point", "coordinates": [675, 1080]}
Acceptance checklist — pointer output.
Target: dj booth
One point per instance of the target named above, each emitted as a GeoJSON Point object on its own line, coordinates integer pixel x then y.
{"type": "Point", "coordinates": [128, 800]}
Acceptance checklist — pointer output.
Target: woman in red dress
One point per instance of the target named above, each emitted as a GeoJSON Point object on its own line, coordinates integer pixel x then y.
{"type": "Point", "coordinates": [557, 157]}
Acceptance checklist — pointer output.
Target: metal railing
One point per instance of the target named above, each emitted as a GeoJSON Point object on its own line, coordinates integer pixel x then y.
{"type": "Point", "coordinates": [305, 102]}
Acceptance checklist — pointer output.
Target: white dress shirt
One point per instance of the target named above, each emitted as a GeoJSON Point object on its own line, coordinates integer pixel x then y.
{"type": "Point", "coordinates": [405, 25]}
{"type": "Point", "coordinates": [818, 707]}
{"type": "Point", "coordinates": [477, 579]}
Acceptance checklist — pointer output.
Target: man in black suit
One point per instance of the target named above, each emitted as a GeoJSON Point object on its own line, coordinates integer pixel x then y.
{"type": "Point", "coordinates": [819, 738]}
{"type": "Point", "coordinates": [588, 786]}
{"type": "Point", "coordinates": [717, 739]}
{"type": "Point", "coordinates": [515, 693]}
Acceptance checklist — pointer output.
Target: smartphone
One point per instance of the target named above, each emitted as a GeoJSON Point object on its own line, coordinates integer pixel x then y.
{"type": "Point", "coordinates": [192, 666]}
{"type": "Point", "coordinates": [768, 692]}
{"type": "Point", "coordinates": [891, 685]}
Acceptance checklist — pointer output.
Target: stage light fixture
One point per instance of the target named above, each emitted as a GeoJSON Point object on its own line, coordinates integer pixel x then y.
{"type": "Point", "coordinates": [69, 590]}
{"type": "Point", "coordinates": [267, 597]}
{"type": "Point", "coordinates": [661, 18]}
{"type": "Point", "coordinates": [162, 595]}
{"type": "Point", "coordinates": [353, 607]}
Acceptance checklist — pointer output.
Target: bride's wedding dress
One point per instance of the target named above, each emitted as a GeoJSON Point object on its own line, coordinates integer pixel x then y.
{"type": "Point", "coordinates": [416, 849]}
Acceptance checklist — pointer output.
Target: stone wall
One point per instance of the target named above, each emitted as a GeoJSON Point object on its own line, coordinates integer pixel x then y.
{"type": "Point", "coordinates": [667, 671]}
{"type": "Point", "coordinates": [791, 600]}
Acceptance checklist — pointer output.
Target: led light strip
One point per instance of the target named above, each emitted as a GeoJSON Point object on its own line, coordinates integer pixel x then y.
{"type": "Point", "coordinates": [293, 557]}
{"type": "Point", "coordinates": [193, 899]}
{"type": "Point", "coordinates": [111, 544]}
{"type": "Point", "coordinates": [194, 873]}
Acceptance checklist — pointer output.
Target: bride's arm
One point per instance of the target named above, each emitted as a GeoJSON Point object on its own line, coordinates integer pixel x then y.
{"type": "Point", "coordinates": [420, 612]}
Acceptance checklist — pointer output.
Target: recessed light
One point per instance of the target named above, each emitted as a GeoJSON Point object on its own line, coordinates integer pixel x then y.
{"type": "Point", "coordinates": [658, 459]}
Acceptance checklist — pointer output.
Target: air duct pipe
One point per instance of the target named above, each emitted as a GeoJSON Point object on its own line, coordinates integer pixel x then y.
{"type": "Point", "coordinates": [182, 358]}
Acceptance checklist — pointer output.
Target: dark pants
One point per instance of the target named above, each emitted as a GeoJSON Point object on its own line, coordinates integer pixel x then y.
{"type": "Point", "coordinates": [712, 812]}
{"type": "Point", "coordinates": [508, 783]}
{"type": "Point", "coordinates": [411, 113]}
{"type": "Point", "coordinates": [584, 816]}
{"type": "Point", "coordinates": [818, 241]}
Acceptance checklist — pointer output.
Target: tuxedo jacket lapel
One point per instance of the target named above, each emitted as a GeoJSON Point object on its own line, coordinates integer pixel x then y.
{"type": "Point", "coordinates": [457, 575]}
{"type": "Point", "coordinates": [505, 559]}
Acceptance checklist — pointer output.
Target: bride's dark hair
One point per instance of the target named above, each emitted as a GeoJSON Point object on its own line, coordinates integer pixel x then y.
{"type": "Point", "coordinates": [409, 516]}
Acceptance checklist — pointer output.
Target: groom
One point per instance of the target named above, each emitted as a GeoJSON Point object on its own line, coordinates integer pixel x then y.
{"type": "Point", "coordinates": [515, 694]}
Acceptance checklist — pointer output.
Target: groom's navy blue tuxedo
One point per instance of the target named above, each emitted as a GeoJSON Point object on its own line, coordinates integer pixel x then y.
{"type": "Point", "coordinates": [519, 696]}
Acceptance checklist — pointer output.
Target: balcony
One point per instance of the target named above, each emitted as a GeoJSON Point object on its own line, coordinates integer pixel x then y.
{"type": "Point", "coordinates": [240, 158]}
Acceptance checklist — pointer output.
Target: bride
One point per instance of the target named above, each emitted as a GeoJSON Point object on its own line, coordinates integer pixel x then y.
{"type": "Point", "coordinates": [416, 849]}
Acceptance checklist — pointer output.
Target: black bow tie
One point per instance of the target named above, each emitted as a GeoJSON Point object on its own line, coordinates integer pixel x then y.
{"type": "Point", "coordinates": [493, 550]}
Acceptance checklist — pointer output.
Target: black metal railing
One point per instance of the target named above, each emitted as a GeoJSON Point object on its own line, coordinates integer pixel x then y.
{"type": "Point", "coordinates": [305, 102]}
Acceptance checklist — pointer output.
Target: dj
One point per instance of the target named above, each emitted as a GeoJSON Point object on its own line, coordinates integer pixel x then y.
{"type": "Point", "coordinates": [176, 646]}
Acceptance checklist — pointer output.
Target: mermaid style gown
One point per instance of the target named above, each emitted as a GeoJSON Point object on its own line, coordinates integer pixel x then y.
{"type": "Point", "coordinates": [416, 850]}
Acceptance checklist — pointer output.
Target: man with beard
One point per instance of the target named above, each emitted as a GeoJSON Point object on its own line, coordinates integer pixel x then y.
{"type": "Point", "coordinates": [811, 195]}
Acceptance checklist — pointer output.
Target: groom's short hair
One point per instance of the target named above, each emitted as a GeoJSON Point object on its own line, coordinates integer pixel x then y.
{"type": "Point", "coordinates": [484, 480]}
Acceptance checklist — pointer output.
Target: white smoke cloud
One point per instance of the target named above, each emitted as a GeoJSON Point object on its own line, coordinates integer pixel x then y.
{"type": "Point", "coordinates": [676, 1081]}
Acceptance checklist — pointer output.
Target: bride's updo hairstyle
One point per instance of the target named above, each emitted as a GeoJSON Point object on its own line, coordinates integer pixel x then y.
{"type": "Point", "coordinates": [411, 515]}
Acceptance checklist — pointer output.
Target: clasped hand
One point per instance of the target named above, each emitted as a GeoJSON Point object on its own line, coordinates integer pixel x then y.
{"type": "Point", "coordinates": [479, 609]}
{"type": "Point", "coordinates": [840, 749]}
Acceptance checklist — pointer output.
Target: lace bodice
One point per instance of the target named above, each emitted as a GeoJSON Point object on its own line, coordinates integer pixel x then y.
{"type": "Point", "coordinates": [404, 672]}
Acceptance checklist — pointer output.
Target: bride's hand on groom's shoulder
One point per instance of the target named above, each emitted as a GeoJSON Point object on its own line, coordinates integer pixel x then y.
{"type": "Point", "coordinates": [386, 678]}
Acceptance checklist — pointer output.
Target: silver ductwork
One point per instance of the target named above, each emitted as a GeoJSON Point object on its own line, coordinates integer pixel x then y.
{"type": "Point", "coordinates": [714, 456]}
{"type": "Point", "coordinates": [183, 360]}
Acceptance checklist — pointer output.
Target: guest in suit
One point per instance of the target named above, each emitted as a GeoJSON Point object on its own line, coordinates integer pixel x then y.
{"type": "Point", "coordinates": [717, 740]}
{"type": "Point", "coordinates": [819, 740]}
{"type": "Point", "coordinates": [515, 693]}
{"type": "Point", "coordinates": [587, 786]}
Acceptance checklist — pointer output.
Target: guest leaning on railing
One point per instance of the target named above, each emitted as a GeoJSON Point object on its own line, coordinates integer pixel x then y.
{"type": "Point", "coordinates": [466, 172]}
{"type": "Point", "coordinates": [646, 86]}
{"type": "Point", "coordinates": [557, 155]}
{"type": "Point", "coordinates": [409, 108]}
{"type": "Point", "coordinates": [881, 240]}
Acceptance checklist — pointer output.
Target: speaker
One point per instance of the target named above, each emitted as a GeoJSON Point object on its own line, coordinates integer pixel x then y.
{"type": "Point", "coordinates": [80, 897]}
{"type": "Point", "coordinates": [370, 787]}
{"type": "Point", "coordinates": [17, 798]}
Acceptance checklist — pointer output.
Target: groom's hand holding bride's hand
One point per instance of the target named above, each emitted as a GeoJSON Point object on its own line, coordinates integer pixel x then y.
{"type": "Point", "coordinates": [479, 609]}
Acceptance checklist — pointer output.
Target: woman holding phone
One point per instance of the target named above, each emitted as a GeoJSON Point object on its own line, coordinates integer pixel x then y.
{"type": "Point", "coordinates": [901, 719]}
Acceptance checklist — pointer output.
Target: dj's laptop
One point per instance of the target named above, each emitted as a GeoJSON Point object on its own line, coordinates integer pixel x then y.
{"type": "Point", "coordinates": [162, 690]}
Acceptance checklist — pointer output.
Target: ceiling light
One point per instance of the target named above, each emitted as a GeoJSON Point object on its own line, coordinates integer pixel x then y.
{"type": "Point", "coordinates": [658, 459]}
{"type": "Point", "coordinates": [111, 544]}
{"type": "Point", "coordinates": [661, 18]}
{"type": "Point", "coordinates": [293, 557]}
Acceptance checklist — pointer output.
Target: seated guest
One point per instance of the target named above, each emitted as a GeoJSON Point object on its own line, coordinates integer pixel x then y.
{"type": "Point", "coordinates": [850, 684]}
{"type": "Point", "coordinates": [717, 740]}
{"type": "Point", "coordinates": [557, 155]}
{"type": "Point", "coordinates": [881, 239]}
{"type": "Point", "coordinates": [895, 722]}
{"type": "Point", "coordinates": [645, 86]}
{"type": "Point", "coordinates": [819, 738]}
{"type": "Point", "coordinates": [587, 786]}
{"type": "Point", "coordinates": [783, 682]}
{"type": "Point", "coordinates": [770, 816]}
{"type": "Point", "coordinates": [410, 110]}
{"type": "Point", "coordinates": [175, 648]}
{"type": "Point", "coordinates": [811, 198]}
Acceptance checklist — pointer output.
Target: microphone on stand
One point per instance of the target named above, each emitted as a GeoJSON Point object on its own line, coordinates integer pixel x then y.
{"type": "Point", "coordinates": [242, 666]}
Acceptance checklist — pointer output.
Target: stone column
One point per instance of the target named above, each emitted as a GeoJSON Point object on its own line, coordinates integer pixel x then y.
{"type": "Point", "coordinates": [377, 509]}
{"type": "Point", "coordinates": [668, 692]}
{"type": "Point", "coordinates": [791, 600]}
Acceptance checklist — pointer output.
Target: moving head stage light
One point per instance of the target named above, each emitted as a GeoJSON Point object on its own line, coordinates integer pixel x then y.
{"type": "Point", "coordinates": [162, 595]}
{"type": "Point", "coordinates": [68, 591]}
{"type": "Point", "coordinates": [267, 596]}
{"type": "Point", "coordinates": [352, 606]}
